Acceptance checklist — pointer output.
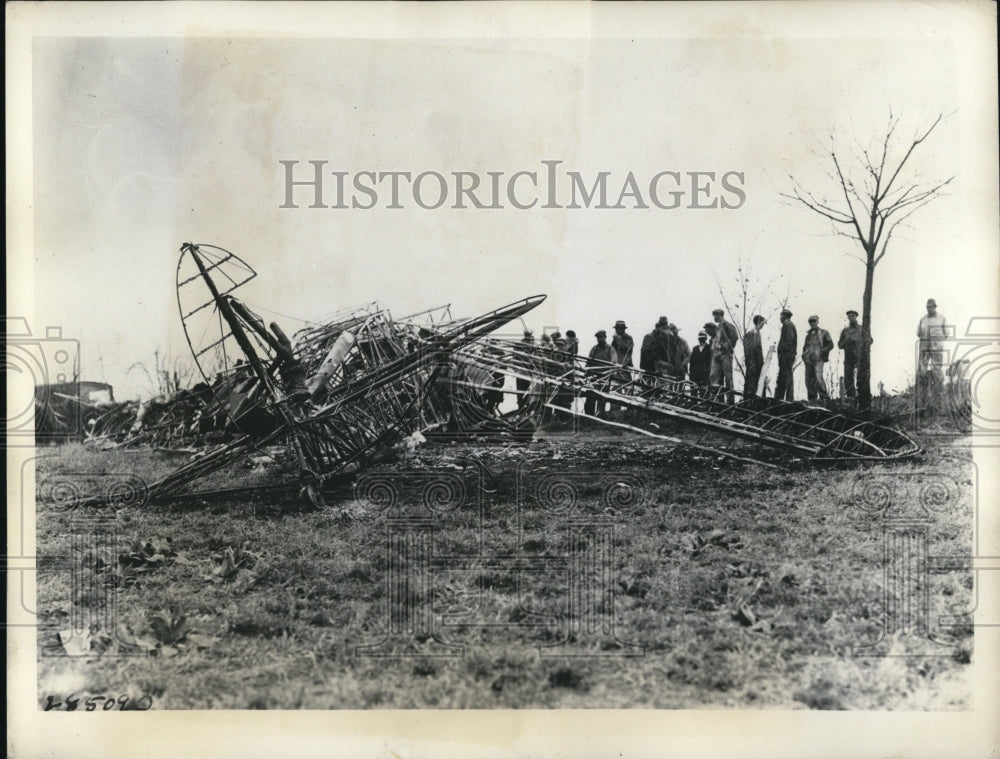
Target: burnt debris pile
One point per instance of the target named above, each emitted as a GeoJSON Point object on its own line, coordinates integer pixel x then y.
{"type": "Point", "coordinates": [340, 393]}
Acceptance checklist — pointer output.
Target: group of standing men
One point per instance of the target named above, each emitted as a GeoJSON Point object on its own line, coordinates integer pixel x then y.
{"type": "Point", "coordinates": [664, 353]}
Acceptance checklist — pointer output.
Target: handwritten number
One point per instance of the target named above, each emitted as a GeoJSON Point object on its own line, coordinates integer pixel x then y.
{"type": "Point", "coordinates": [141, 704]}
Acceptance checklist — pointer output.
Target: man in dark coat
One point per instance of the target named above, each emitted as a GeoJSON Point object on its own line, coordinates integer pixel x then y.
{"type": "Point", "coordinates": [753, 356]}
{"type": "Point", "coordinates": [851, 340]}
{"type": "Point", "coordinates": [788, 348]}
{"type": "Point", "coordinates": [681, 355]}
{"type": "Point", "coordinates": [657, 349]}
{"type": "Point", "coordinates": [623, 344]}
{"type": "Point", "coordinates": [701, 361]}
{"type": "Point", "coordinates": [572, 343]}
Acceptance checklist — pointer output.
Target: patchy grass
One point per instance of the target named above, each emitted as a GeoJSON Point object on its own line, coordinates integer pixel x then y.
{"type": "Point", "coordinates": [730, 584]}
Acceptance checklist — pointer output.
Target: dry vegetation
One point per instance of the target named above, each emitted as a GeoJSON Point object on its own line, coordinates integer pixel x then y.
{"type": "Point", "coordinates": [744, 587]}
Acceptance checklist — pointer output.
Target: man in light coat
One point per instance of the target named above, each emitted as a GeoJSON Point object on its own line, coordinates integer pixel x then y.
{"type": "Point", "coordinates": [599, 355]}
{"type": "Point", "coordinates": [815, 353]}
{"type": "Point", "coordinates": [723, 345]}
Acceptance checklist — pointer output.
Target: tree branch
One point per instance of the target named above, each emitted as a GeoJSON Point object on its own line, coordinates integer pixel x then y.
{"type": "Point", "coordinates": [854, 218]}
{"type": "Point", "coordinates": [909, 152]}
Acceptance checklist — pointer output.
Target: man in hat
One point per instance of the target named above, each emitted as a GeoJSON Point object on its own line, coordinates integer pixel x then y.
{"type": "Point", "coordinates": [723, 345]}
{"type": "Point", "coordinates": [753, 356]}
{"type": "Point", "coordinates": [851, 342]}
{"type": "Point", "coordinates": [788, 346]}
{"type": "Point", "coordinates": [815, 353]}
{"type": "Point", "coordinates": [681, 355]}
{"type": "Point", "coordinates": [599, 355]}
{"type": "Point", "coordinates": [657, 349]}
{"type": "Point", "coordinates": [623, 344]}
{"type": "Point", "coordinates": [701, 361]}
{"type": "Point", "coordinates": [932, 330]}
{"type": "Point", "coordinates": [572, 343]}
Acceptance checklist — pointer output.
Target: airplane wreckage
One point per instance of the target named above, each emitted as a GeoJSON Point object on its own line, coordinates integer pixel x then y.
{"type": "Point", "coordinates": [339, 395]}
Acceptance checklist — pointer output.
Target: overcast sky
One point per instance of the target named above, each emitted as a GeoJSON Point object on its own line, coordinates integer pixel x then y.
{"type": "Point", "coordinates": [143, 143]}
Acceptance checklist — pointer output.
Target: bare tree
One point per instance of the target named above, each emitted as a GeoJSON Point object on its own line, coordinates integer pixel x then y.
{"type": "Point", "coordinates": [752, 295]}
{"type": "Point", "coordinates": [870, 197]}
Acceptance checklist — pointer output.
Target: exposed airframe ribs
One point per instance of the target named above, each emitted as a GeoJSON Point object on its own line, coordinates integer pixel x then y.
{"type": "Point", "coordinates": [340, 393]}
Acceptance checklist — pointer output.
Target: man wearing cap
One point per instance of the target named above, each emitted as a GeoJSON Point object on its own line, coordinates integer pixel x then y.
{"type": "Point", "coordinates": [623, 344]}
{"type": "Point", "coordinates": [815, 353]}
{"type": "Point", "coordinates": [657, 349]}
{"type": "Point", "coordinates": [788, 346]}
{"type": "Point", "coordinates": [600, 354]}
{"type": "Point", "coordinates": [681, 355]}
{"type": "Point", "coordinates": [851, 341]}
{"type": "Point", "coordinates": [701, 361]}
{"type": "Point", "coordinates": [753, 356]}
{"type": "Point", "coordinates": [723, 345]}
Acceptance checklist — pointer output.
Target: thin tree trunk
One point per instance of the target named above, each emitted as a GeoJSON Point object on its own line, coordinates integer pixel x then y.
{"type": "Point", "coordinates": [865, 363]}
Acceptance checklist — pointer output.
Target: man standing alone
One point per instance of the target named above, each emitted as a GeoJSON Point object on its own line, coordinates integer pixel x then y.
{"type": "Point", "coordinates": [932, 331]}
{"type": "Point", "coordinates": [788, 346]}
{"type": "Point", "coordinates": [851, 341]}
{"type": "Point", "coordinates": [753, 355]}
{"type": "Point", "coordinates": [815, 353]}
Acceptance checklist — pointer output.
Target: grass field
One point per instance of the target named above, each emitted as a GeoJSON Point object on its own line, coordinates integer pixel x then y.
{"type": "Point", "coordinates": [696, 582]}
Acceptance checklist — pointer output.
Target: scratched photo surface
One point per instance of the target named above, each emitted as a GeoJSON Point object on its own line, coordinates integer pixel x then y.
{"type": "Point", "coordinates": [492, 371]}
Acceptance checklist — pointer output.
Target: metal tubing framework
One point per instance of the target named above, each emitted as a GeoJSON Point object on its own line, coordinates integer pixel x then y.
{"type": "Point", "coordinates": [808, 431]}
